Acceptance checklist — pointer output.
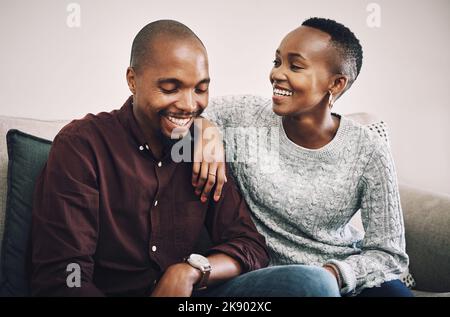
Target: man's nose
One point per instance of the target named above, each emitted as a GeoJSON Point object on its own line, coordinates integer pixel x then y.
{"type": "Point", "coordinates": [188, 102]}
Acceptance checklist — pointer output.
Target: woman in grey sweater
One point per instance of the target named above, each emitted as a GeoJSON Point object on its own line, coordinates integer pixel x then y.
{"type": "Point", "coordinates": [305, 171]}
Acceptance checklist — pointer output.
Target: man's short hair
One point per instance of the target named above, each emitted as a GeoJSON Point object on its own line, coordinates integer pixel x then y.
{"type": "Point", "coordinates": [142, 43]}
{"type": "Point", "coordinates": [346, 44]}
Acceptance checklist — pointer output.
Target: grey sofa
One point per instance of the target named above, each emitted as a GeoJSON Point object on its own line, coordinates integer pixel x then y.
{"type": "Point", "coordinates": [426, 214]}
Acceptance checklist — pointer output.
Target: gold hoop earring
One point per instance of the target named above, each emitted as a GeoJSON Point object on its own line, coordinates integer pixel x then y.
{"type": "Point", "coordinates": [330, 99]}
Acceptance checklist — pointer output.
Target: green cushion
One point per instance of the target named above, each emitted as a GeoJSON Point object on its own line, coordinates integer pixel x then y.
{"type": "Point", "coordinates": [27, 155]}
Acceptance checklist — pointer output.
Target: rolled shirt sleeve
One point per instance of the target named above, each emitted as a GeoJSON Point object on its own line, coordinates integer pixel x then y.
{"type": "Point", "coordinates": [233, 232]}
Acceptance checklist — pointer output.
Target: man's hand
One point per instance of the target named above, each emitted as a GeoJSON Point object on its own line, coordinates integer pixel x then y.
{"type": "Point", "coordinates": [209, 160]}
{"type": "Point", "coordinates": [177, 281]}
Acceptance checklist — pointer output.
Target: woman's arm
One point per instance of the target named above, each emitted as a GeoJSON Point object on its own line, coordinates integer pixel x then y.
{"type": "Point", "coordinates": [223, 112]}
{"type": "Point", "coordinates": [209, 160]}
{"type": "Point", "coordinates": [382, 255]}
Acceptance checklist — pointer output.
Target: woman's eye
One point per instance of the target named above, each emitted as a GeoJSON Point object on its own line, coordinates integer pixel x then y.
{"type": "Point", "coordinates": [276, 63]}
{"type": "Point", "coordinates": [295, 67]}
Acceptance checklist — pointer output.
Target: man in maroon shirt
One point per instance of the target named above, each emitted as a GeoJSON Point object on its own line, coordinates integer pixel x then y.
{"type": "Point", "coordinates": [113, 214]}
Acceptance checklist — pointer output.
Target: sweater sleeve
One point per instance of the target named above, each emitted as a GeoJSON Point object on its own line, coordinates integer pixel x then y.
{"type": "Point", "coordinates": [382, 257]}
{"type": "Point", "coordinates": [233, 110]}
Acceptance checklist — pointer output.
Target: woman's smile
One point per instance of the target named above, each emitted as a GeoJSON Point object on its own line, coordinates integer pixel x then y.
{"type": "Point", "coordinates": [280, 94]}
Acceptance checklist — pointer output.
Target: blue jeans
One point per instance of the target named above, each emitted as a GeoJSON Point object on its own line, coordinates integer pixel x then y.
{"type": "Point", "coordinates": [278, 281]}
{"type": "Point", "coordinates": [393, 288]}
{"type": "Point", "coordinates": [294, 281]}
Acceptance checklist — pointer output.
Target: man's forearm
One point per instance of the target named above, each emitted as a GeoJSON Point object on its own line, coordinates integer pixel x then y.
{"type": "Point", "coordinates": [179, 279]}
{"type": "Point", "coordinates": [223, 267]}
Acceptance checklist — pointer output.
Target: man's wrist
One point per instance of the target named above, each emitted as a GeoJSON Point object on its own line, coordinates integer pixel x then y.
{"type": "Point", "coordinates": [200, 263]}
{"type": "Point", "coordinates": [194, 274]}
{"type": "Point", "coordinates": [188, 272]}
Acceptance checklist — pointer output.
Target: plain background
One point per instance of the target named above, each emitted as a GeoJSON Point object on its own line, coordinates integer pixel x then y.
{"type": "Point", "coordinates": [53, 71]}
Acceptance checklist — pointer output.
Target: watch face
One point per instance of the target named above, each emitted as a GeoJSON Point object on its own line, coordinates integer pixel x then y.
{"type": "Point", "coordinates": [198, 260]}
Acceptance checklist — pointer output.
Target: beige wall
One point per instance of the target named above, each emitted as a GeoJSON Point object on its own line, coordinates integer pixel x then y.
{"type": "Point", "coordinates": [50, 70]}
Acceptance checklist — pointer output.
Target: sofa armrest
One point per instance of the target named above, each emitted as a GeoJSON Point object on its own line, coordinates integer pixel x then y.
{"type": "Point", "coordinates": [427, 231]}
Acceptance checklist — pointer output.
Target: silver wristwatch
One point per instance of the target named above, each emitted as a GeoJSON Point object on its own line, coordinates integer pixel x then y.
{"type": "Point", "coordinates": [201, 263]}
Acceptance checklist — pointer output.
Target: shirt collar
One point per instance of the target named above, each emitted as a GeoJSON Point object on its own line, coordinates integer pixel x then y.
{"type": "Point", "coordinates": [128, 120]}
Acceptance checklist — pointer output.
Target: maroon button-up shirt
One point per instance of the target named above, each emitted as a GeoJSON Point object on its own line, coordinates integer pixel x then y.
{"type": "Point", "coordinates": [106, 204]}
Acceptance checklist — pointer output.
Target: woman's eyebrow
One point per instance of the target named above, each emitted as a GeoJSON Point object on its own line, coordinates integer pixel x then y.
{"type": "Point", "coordinates": [297, 55]}
{"type": "Point", "coordinates": [292, 54]}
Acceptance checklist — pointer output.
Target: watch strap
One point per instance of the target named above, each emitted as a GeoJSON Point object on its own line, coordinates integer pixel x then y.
{"type": "Point", "coordinates": [203, 283]}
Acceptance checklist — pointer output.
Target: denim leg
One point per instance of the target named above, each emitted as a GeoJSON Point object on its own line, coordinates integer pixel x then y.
{"type": "Point", "coordinates": [393, 288]}
{"type": "Point", "coordinates": [278, 281]}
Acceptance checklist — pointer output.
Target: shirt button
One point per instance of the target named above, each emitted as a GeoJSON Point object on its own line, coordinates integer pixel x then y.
{"type": "Point", "coordinates": [156, 203]}
{"type": "Point", "coordinates": [159, 164]}
{"type": "Point", "coordinates": [146, 146]}
{"type": "Point", "coordinates": [154, 248]}
{"type": "Point", "coordinates": [141, 148]}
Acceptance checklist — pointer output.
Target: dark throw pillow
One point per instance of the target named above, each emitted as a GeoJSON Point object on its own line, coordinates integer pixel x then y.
{"type": "Point", "coordinates": [27, 155]}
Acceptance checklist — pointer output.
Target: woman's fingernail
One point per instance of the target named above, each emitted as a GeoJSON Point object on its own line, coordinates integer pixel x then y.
{"type": "Point", "coordinates": [203, 199]}
{"type": "Point", "coordinates": [216, 198]}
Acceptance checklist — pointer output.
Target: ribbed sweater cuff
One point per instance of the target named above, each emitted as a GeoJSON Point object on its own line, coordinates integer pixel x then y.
{"type": "Point", "coordinates": [347, 276]}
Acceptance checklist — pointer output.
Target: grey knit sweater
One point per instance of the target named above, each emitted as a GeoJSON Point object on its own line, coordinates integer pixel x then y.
{"type": "Point", "coordinates": [303, 199]}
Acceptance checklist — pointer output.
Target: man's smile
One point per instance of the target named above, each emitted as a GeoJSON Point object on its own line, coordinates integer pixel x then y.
{"type": "Point", "coordinates": [178, 121]}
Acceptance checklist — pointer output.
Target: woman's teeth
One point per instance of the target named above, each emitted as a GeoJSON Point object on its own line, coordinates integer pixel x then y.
{"type": "Point", "coordinates": [281, 92]}
{"type": "Point", "coordinates": [178, 121]}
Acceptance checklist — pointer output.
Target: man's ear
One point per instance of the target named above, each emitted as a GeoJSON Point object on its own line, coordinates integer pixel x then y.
{"type": "Point", "coordinates": [339, 84]}
{"type": "Point", "coordinates": [131, 79]}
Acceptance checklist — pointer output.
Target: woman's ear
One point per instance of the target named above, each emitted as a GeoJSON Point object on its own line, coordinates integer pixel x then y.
{"type": "Point", "coordinates": [339, 84]}
{"type": "Point", "coordinates": [131, 79]}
